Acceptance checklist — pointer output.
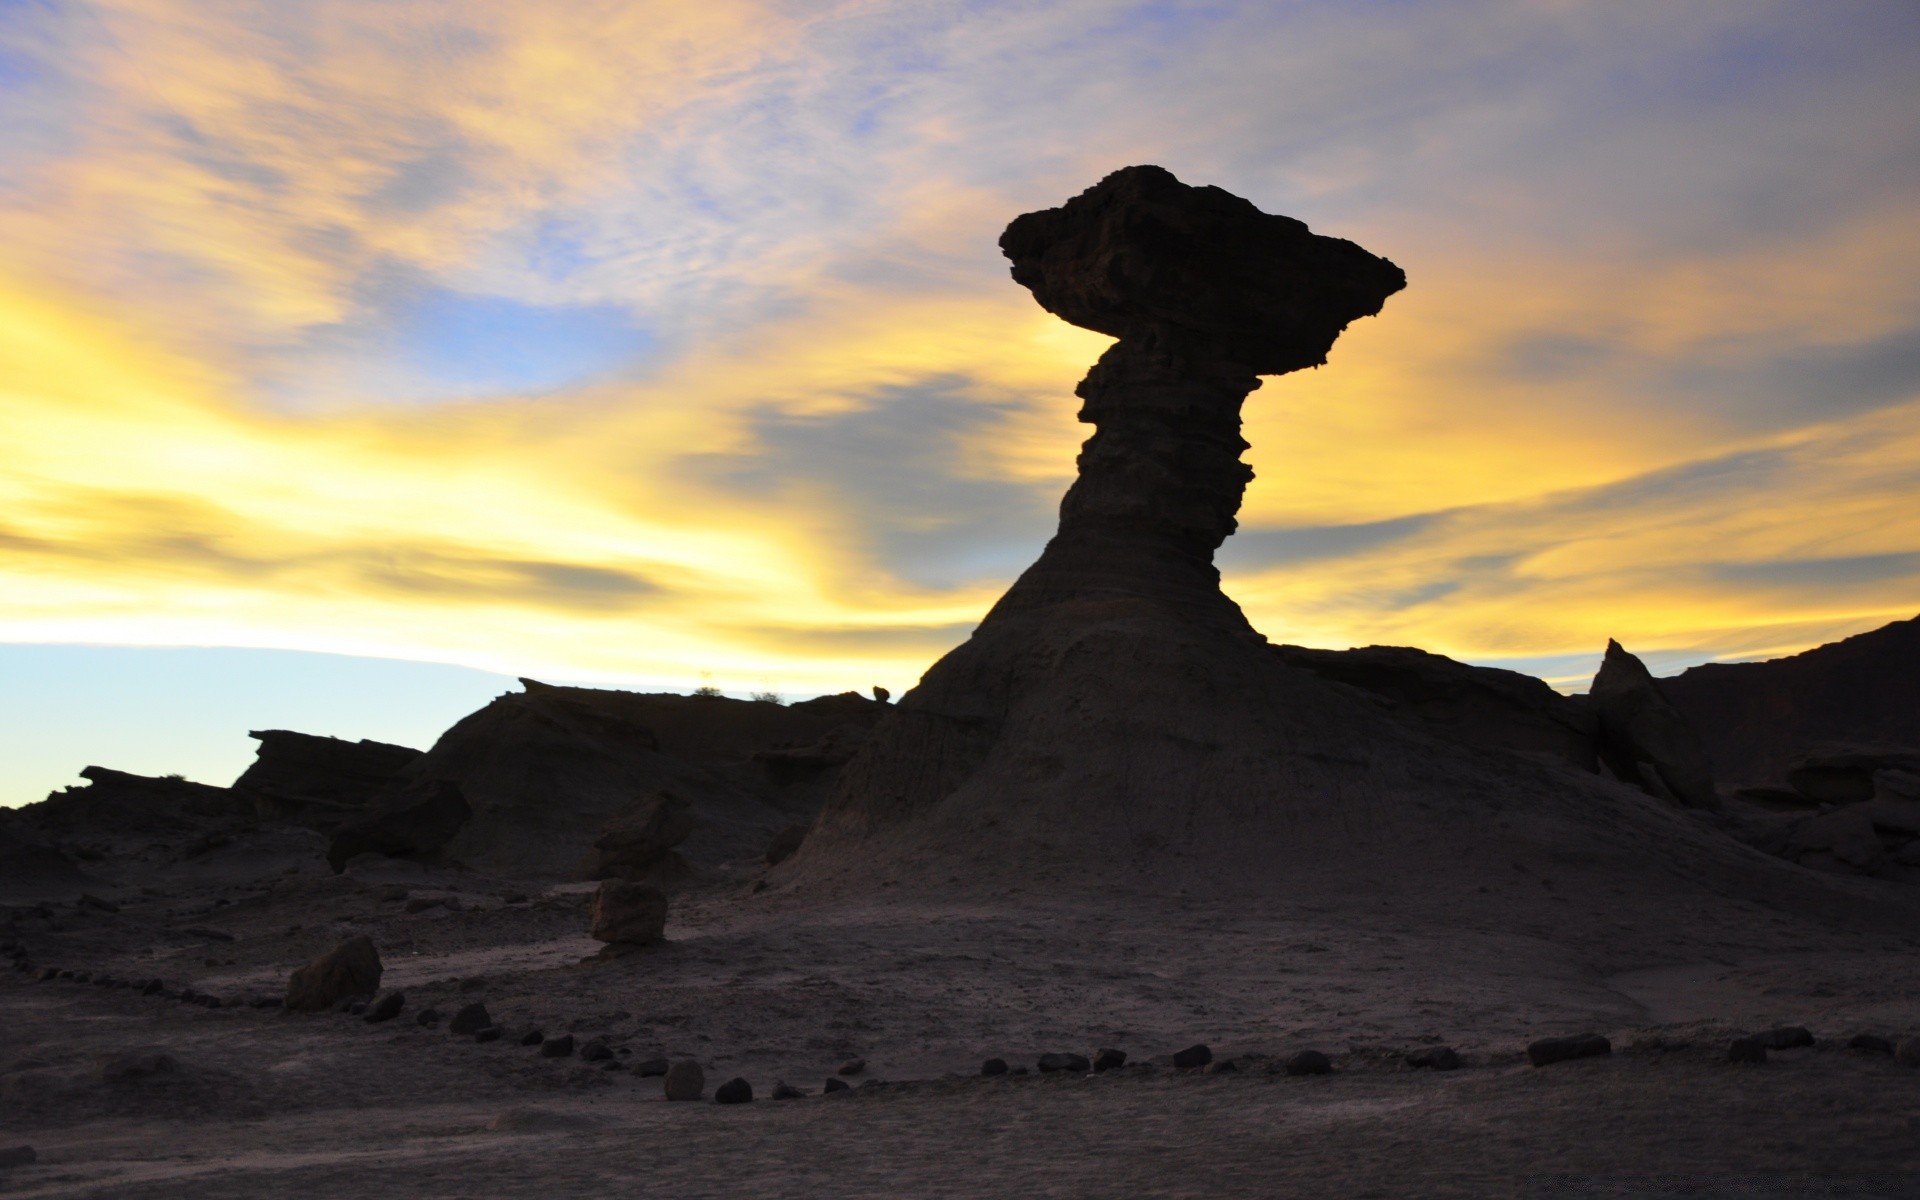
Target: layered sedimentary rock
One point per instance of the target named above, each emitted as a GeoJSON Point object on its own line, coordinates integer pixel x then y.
{"type": "Point", "coordinates": [1206, 293]}
{"type": "Point", "coordinates": [532, 781]}
{"type": "Point", "coordinates": [1115, 717]}
{"type": "Point", "coordinates": [1644, 739]}
{"type": "Point", "coordinates": [1115, 705]}
{"type": "Point", "coordinates": [318, 779]}
{"type": "Point", "coordinates": [1757, 718]}
{"type": "Point", "coordinates": [1458, 702]}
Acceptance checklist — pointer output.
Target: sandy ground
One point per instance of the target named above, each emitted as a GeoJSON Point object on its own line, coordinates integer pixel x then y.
{"type": "Point", "coordinates": [924, 987]}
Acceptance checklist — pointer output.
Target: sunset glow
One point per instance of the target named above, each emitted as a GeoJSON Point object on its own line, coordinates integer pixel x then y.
{"type": "Point", "coordinates": [668, 344]}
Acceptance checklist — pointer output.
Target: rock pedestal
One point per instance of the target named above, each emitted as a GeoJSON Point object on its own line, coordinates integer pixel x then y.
{"type": "Point", "coordinates": [631, 914]}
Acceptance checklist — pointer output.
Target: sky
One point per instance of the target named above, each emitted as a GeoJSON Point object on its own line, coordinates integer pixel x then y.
{"type": "Point", "coordinates": [357, 356]}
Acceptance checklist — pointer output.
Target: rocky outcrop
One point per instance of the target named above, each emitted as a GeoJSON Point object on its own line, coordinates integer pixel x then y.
{"type": "Point", "coordinates": [790, 764]}
{"type": "Point", "coordinates": [546, 772]}
{"type": "Point", "coordinates": [1756, 718]}
{"type": "Point", "coordinates": [414, 821]}
{"type": "Point", "coordinates": [1456, 702]}
{"type": "Point", "coordinates": [629, 914]}
{"type": "Point", "coordinates": [30, 867]}
{"type": "Point", "coordinates": [318, 780]}
{"type": "Point", "coordinates": [1644, 739]}
{"type": "Point", "coordinates": [639, 845]}
{"type": "Point", "coordinates": [121, 802]}
{"type": "Point", "coordinates": [350, 969]}
{"type": "Point", "coordinates": [1851, 774]}
{"type": "Point", "coordinates": [1205, 293]}
{"type": "Point", "coordinates": [1115, 722]}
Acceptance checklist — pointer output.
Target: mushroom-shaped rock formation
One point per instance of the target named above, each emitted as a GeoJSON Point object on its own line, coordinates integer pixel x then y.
{"type": "Point", "coordinates": [1206, 293]}
{"type": "Point", "coordinates": [1115, 717]}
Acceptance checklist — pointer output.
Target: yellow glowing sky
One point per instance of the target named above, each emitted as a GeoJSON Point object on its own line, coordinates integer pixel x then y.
{"type": "Point", "coordinates": [667, 344]}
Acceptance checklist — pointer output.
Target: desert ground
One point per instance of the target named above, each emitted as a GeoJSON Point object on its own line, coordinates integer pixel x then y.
{"type": "Point", "coordinates": [130, 1095]}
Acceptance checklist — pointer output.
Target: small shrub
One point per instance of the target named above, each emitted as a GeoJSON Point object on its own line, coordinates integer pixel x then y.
{"type": "Point", "coordinates": [768, 697]}
{"type": "Point", "coordinates": [706, 689]}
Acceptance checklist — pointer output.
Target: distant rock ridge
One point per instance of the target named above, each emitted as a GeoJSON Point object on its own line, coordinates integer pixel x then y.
{"type": "Point", "coordinates": [1644, 739]}
{"type": "Point", "coordinates": [1756, 718]}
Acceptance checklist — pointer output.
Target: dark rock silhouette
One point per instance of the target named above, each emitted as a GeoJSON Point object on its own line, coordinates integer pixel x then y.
{"type": "Point", "coordinates": [30, 866]}
{"type": "Point", "coordinates": [547, 771]}
{"type": "Point", "coordinates": [351, 969]}
{"type": "Point", "coordinates": [1852, 774]}
{"type": "Point", "coordinates": [1115, 716]}
{"type": "Point", "coordinates": [1756, 718]}
{"type": "Point", "coordinates": [1206, 293]}
{"type": "Point", "coordinates": [416, 820]}
{"type": "Point", "coordinates": [628, 913]}
{"type": "Point", "coordinates": [1477, 706]}
{"type": "Point", "coordinates": [1547, 1051]}
{"type": "Point", "coordinates": [639, 845]}
{"type": "Point", "coordinates": [302, 776]}
{"type": "Point", "coordinates": [1644, 739]}
{"type": "Point", "coordinates": [120, 801]}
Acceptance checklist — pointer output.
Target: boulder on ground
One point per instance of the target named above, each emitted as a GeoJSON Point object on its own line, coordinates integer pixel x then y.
{"type": "Point", "coordinates": [786, 1091]}
{"type": "Point", "coordinates": [841, 1085]}
{"type": "Point", "coordinates": [18, 1156]}
{"type": "Point", "coordinates": [1871, 1043]}
{"type": "Point", "coordinates": [651, 1068]}
{"type": "Point", "coordinates": [1050, 1063]}
{"type": "Point", "coordinates": [350, 969]}
{"type": "Point", "coordinates": [557, 1047]}
{"type": "Point", "coordinates": [853, 1066]}
{"type": "Point", "coordinates": [1747, 1050]}
{"type": "Point", "coordinates": [386, 1008]}
{"type": "Point", "coordinates": [1193, 1056]}
{"type": "Point", "coordinates": [733, 1091]}
{"type": "Point", "coordinates": [471, 1018]}
{"type": "Point", "coordinates": [685, 1080]}
{"type": "Point", "coordinates": [1108, 1060]}
{"type": "Point", "coordinates": [1435, 1058]}
{"type": "Point", "coordinates": [1309, 1062]}
{"type": "Point", "coordinates": [994, 1066]}
{"type": "Point", "coordinates": [1644, 739]}
{"type": "Point", "coordinates": [1907, 1052]}
{"type": "Point", "coordinates": [1785, 1037]}
{"type": "Point", "coordinates": [624, 913]}
{"type": "Point", "coordinates": [632, 846]}
{"type": "Point", "coordinates": [1547, 1051]}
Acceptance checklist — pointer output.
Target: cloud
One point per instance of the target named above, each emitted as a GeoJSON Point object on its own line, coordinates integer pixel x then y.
{"type": "Point", "coordinates": [643, 341]}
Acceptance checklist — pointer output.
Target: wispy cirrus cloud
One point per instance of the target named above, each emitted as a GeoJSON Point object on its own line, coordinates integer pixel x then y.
{"type": "Point", "coordinates": [647, 341]}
